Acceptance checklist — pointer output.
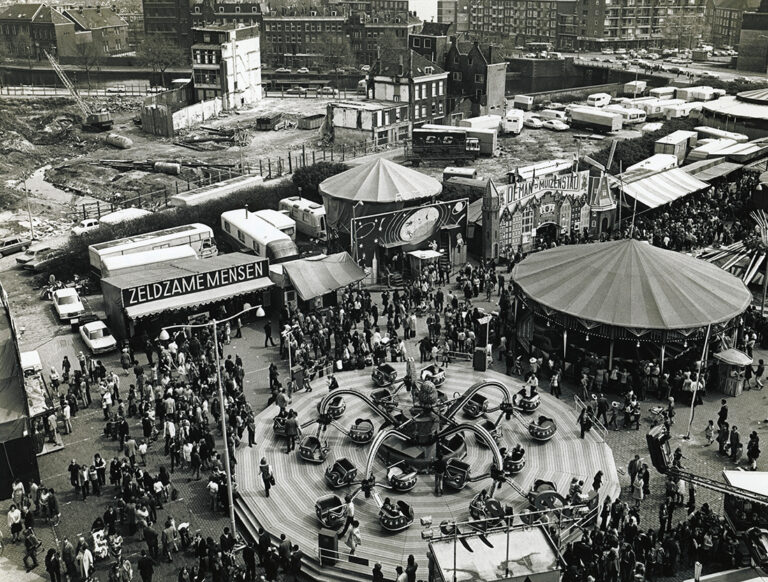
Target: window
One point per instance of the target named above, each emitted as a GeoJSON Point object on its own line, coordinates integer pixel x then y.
{"type": "Point", "coordinates": [221, 9]}
{"type": "Point", "coordinates": [479, 78]}
{"type": "Point", "coordinates": [237, 9]}
{"type": "Point", "coordinates": [457, 76]}
{"type": "Point", "coordinates": [440, 88]}
{"type": "Point", "coordinates": [427, 43]}
{"type": "Point", "coordinates": [416, 42]}
{"type": "Point", "coordinates": [197, 10]}
{"type": "Point", "coordinates": [429, 70]}
{"type": "Point", "coordinates": [240, 235]}
{"type": "Point", "coordinates": [226, 227]}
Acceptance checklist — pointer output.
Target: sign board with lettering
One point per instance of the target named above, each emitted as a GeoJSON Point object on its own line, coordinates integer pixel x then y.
{"type": "Point", "coordinates": [194, 283]}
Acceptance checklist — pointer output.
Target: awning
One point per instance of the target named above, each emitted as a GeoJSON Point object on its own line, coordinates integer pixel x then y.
{"type": "Point", "coordinates": [199, 298]}
{"type": "Point", "coordinates": [426, 254]}
{"type": "Point", "coordinates": [663, 188]}
{"type": "Point", "coordinates": [734, 357]}
{"type": "Point", "coordinates": [708, 170]}
{"type": "Point", "coordinates": [316, 278]}
{"type": "Point", "coordinates": [752, 481]}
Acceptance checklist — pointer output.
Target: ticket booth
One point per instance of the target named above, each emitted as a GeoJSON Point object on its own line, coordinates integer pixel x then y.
{"type": "Point", "coordinates": [730, 371]}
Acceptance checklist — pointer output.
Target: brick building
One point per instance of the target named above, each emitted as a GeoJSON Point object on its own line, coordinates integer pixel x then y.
{"type": "Point", "coordinates": [432, 40]}
{"type": "Point", "coordinates": [726, 20]}
{"type": "Point", "coordinates": [304, 38]}
{"type": "Point", "coordinates": [223, 12]}
{"type": "Point", "coordinates": [171, 19]}
{"type": "Point", "coordinates": [515, 21]}
{"type": "Point", "coordinates": [108, 30]}
{"type": "Point", "coordinates": [753, 41]}
{"type": "Point", "coordinates": [28, 30]}
{"type": "Point", "coordinates": [408, 77]}
{"type": "Point", "coordinates": [477, 78]}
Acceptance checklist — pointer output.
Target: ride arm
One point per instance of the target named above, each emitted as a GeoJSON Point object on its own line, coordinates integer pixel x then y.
{"type": "Point", "coordinates": [325, 402]}
{"type": "Point", "coordinates": [459, 403]}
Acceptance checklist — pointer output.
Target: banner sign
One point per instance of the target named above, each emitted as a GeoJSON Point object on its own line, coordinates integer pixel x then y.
{"type": "Point", "coordinates": [566, 183]}
{"type": "Point", "coordinates": [410, 226]}
{"type": "Point", "coordinates": [194, 283]}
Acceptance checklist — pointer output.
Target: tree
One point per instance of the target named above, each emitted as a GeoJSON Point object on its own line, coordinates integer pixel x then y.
{"type": "Point", "coordinates": [308, 178]}
{"type": "Point", "coordinates": [161, 54]}
{"type": "Point", "coordinates": [90, 58]}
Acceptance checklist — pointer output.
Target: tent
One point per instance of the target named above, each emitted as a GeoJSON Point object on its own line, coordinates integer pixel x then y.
{"type": "Point", "coordinates": [381, 186]}
{"type": "Point", "coordinates": [13, 415]}
{"type": "Point", "coordinates": [663, 187]}
{"type": "Point", "coordinates": [630, 284]}
{"type": "Point", "coordinates": [315, 278]}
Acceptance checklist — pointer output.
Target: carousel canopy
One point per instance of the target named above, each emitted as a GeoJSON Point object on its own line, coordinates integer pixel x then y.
{"type": "Point", "coordinates": [631, 284]}
{"type": "Point", "coordinates": [380, 181]}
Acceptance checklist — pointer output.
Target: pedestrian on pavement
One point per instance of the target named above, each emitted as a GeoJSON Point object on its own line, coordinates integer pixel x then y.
{"type": "Point", "coordinates": [53, 565]}
{"type": "Point", "coordinates": [266, 475]}
{"type": "Point", "coordinates": [349, 508]}
{"type": "Point", "coordinates": [31, 545]}
{"type": "Point", "coordinates": [268, 334]}
{"type": "Point", "coordinates": [146, 567]}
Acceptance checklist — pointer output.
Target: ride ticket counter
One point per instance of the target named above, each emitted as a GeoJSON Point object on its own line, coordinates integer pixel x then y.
{"type": "Point", "coordinates": [731, 371]}
{"type": "Point", "coordinates": [187, 291]}
{"type": "Point", "coordinates": [519, 555]}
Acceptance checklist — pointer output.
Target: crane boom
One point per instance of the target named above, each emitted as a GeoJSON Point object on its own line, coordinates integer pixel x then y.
{"type": "Point", "coordinates": [68, 84]}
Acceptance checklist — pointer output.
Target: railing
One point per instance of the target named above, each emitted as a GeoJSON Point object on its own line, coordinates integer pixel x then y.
{"type": "Point", "coordinates": [596, 424]}
{"type": "Point", "coordinates": [59, 91]}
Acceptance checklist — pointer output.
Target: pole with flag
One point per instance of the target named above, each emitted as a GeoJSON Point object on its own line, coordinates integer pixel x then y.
{"type": "Point", "coordinates": [699, 378]}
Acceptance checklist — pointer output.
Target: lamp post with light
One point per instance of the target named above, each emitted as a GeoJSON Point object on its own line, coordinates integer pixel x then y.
{"type": "Point", "coordinates": [352, 241]}
{"type": "Point", "coordinates": [164, 336]}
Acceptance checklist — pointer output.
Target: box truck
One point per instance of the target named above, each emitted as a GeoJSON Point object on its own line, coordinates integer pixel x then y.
{"type": "Point", "coordinates": [591, 118]}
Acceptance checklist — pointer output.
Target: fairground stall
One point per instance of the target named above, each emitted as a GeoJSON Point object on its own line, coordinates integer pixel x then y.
{"type": "Point", "coordinates": [188, 291]}
{"type": "Point", "coordinates": [389, 210]}
{"type": "Point", "coordinates": [622, 301]}
{"type": "Point", "coordinates": [730, 371]}
{"type": "Point", "coordinates": [743, 514]}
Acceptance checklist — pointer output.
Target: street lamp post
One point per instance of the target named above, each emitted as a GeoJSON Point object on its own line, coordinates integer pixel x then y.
{"type": "Point", "coordinates": [29, 210]}
{"type": "Point", "coordinates": [214, 323]}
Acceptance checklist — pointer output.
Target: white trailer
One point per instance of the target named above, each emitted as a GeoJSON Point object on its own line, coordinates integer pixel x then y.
{"type": "Point", "coordinates": [598, 120]}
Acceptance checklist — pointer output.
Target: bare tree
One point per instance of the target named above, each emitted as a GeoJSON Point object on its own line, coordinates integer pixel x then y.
{"type": "Point", "coordinates": [90, 58]}
{"type": "Point", "coordinates": [161, 54]}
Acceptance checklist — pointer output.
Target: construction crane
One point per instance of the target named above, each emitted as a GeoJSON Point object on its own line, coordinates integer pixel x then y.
{"type": "Point", "coordinates": [92, 120]}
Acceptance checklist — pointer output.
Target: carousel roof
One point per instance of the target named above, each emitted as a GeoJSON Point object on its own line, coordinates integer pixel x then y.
{"type": "Point", "coordinates": [380, 181]}
{"type": "Point", "coordinates": [631, 284]}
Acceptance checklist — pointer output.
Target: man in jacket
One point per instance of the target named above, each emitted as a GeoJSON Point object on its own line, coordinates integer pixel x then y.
{"type": "Point", "coordinates": [146, 567]}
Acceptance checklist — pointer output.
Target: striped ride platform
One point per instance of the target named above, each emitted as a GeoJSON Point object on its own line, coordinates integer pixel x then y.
{"type": "Point", "coordinates": [290, 509]}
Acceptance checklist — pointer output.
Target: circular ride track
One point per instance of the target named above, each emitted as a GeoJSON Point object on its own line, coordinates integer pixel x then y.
{"type": "Point", "coordinates": [290, 508]}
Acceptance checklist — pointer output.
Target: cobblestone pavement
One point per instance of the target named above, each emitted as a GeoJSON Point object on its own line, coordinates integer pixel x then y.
{"type": "Point", "coordinates": [748, 411]}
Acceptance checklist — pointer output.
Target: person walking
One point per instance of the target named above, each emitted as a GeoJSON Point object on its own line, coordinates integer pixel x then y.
{"type": "Point", "coordinates": [31, 545]}
{"type": "Point", "coordinates": [439, 466]}
{"type": "Point", "coordinates": [349, 508]}
{"type": "Point", "coordinates": [722, 415]}
{"type": "Point", "coordinates": [354, 539]}
{"type": "Point", "coordinates": [53, 565]}
{"type": "Point", "coordinates": [268, 334]}
{"type": "Point", "coordinates": [735, 440]}
{"type": "Point", "coordinates": [146, 567]}
{"type": "Point", "coordinates": [266, 475]}
{"type": "Point", "coordinates": [632, 470]}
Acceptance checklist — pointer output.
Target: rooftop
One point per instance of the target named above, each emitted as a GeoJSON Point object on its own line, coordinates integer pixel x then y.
{"type": "Point", "coordinates": [37, 13]}
{"type": "Point", "coordinates": [405, 64]}
{"type": "Point", "coordinates": [95, 18]}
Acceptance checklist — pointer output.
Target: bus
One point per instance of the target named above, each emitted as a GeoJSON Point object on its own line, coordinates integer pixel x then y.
{"type": "Point", "coordinates": [198, 236]}
{"type": "Point", "coordinates": [280, 220]}
{"type": "Point", "coordinates": [309, 216]}
{"type": "Point", "coordinates": [246, 232]}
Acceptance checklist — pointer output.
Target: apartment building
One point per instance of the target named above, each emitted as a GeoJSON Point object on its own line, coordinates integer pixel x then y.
{"type": "Point", "coordinates": [28, 30]}
{"type": "Point", "coordinates": [227, 12]}
{"type": "Point", "coordinates": [374, 34]}
{"type": "Point", "coordinates": [432, 41]}
{"type": "Point", "coordinates": [303, 38]}
{"type": "Point", "coordinates": [726, 19]}
{"type": "Point", "coordinates": [171, 19]}
{"type": "Point", "coordinates": [226, 64]}
{"type": "Point", "coordinates": [477, 78]}
{"type": "Point", "coordinates": [408, 77]}
{"type": "Point", "coordinates": [107, 29]}
{"type": "Point", "coordinates": [515, 21]}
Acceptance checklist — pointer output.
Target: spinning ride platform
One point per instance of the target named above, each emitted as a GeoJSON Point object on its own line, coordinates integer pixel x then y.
{"type": "Point", "coordinates": [291, 506]}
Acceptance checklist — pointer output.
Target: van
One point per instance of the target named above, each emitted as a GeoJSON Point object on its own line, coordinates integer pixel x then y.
{"type": "Point", "coordinates": [552, 114]}
{"type": "Point", "coordinates": [598, 100]}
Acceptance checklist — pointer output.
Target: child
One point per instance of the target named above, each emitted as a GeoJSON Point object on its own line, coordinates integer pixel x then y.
{"type": "Point", "coordinates": [143, 452]}
{"type": "Point", "coordinates": [709, 432]}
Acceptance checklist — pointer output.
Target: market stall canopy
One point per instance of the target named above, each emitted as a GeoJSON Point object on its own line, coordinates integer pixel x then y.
{"type": "Point", "coordinates": [13, 414]}
{"type": "Point", "coordinates": [708, 170]}
{"type": "Point", "coordinates": [380, 182]}
{"type": "Point", "coordinates": [631, 284]}
{"type": "Point", "coordinates": [734, 357]}
{"type": "Point", "coordinates": [662, 188]}
{"type": "Point", "coordinates": [316, 278]}
{"type": "Point", "coordinates": [426, 254]}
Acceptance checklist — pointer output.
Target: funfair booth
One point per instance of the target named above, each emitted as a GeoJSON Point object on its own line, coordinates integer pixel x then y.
{"type": "Point", "coordinates": [622, 299]}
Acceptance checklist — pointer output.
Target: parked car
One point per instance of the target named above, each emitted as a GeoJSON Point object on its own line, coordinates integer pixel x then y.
{"type": "Point", "coordinates": [296, 91]}
{"type": "Point", "coordinates": [85, 226]}
{"type": "Point", "coordinates": [303, 71]}
{"type": "Point", "coordinates": [13, 244]}
{"type": "Point", "coordinates": [709, 75]}
{"type": "Point", "coordinates": [97, 337]}
{"type": "Point", "coordinates": [116, 89]}
{"type": "Point", "coordinates": [41, 260]}
{"type": "Point", "coordinates": [282, 70]}
{"type": "Point", "coordinates": [327, 91]}
{"type": "Point", "coordinates": [32, 253]}
{"type": "Point", "coordinates": [67, 303]}
{"type": "Point", "coordinates": [555, 125]}
{"type": "Point", "coordinates": [532, 123]}
{"type": "Point", "coordinates": [156, 89]}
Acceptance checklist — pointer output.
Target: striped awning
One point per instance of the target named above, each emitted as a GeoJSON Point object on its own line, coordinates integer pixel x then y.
{"type": "Point", "coordinates": [663, 188]}
{"type": "Point", "coordinates": [317, 278]}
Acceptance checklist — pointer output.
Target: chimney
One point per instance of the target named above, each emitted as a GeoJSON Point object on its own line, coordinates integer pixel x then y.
{"type": "Point", "coordinates": [246, 211]}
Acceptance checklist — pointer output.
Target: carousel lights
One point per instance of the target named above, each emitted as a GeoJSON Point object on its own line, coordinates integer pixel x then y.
{"type": "Point", "coordinates": [587, 338]}
{"type": "Point", "coordinates": [685, 344]}
{"type": "Point", "coordinates": [637, 345]}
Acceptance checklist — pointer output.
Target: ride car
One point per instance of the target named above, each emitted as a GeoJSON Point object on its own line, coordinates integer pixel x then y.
{"type": "Point", "coordinates": [85, 225]}
{"type": "Point", "coordinates": [97, 337]}
{"type": "Point", "coordinates": [555, 125]}
{"type": "Point", "coordinates": [13, 244]}
{"type": "Point", "coordinates": [67, 303]}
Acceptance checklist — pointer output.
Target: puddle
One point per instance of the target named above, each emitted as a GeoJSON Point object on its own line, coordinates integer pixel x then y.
{"type": "Point", "coordinates": [42, 190]}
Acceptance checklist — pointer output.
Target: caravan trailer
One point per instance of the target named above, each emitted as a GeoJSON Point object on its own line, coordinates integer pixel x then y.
{"type": "Point", "coordinates": [629, 115]}
{"type": "Point", "coordinates": [280, 220]}
{"type": "Point", "coordinates": [246, 232]}
{"type": "Point", "coordinates": [309, 216]}
{"type": "Point", "coordinates": [598, 100]}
